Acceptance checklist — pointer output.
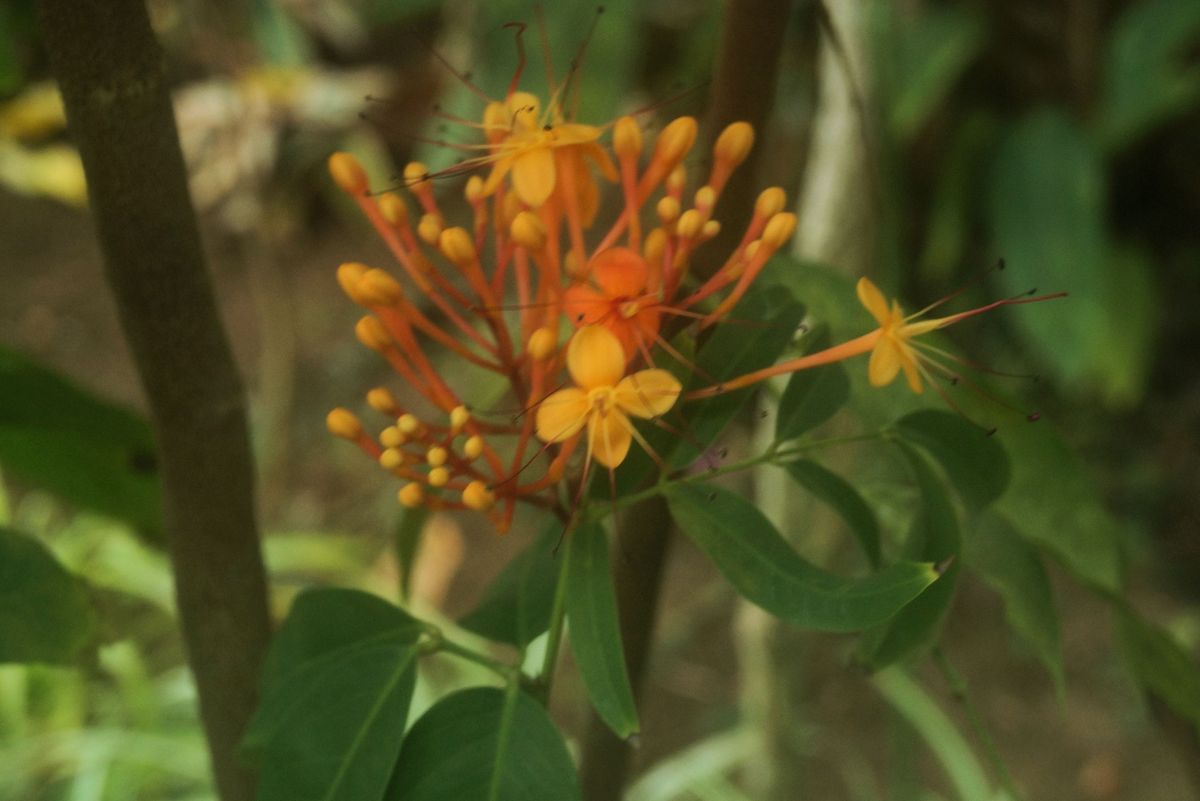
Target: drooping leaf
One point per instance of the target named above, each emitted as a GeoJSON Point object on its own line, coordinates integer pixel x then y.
{"type": "Point", "coordinates": [487, 744]}
{"type": "Point", "coordinates": [934, 537]}
{"type": "Point", "coordinates": [1148, 76]}
{"type": "Point", "coordinates": [58, 436]}
{"type": "Point", "coordinates": [1161, 665]}
{"type": "Point", "coordinates": [45, 614]}
{"type": "Point", "coordinates": [845, 500]}
{"type": "Point", "coordinates": [1013, 568]}
{"type": "Point", "coordinates": [516, 608]}
{"type": "Point", "coordinates": [812, 396]}
{"type": "Point", "coordinates": [595, 632]}
{"type": "Point", "coordinates": [974, 461]}
{"type": "Point", "coordinates": [760, 564]}
{"type": "Point", "coordinates": [335, 693]}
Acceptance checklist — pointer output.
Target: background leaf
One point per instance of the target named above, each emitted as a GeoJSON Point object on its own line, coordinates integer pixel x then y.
{"type": "Point", "coordinates": [45, 613]}
{"type": "Point", "coordinates": [1013, 568]}
{"type": "Point", "coordinates": [760, 564]}
{"type": "Point", "coordinates": [1161, 665]}
{"type": "Point", "coordinates": [845, 500]}
{"type": "Point", "coordinates": [811, 396]}
{"type": "Point", "coordinates": [516, 608]}
{"type": "Point", "coordinates": [336, 688]}
{"type": "Point", "coordinates": [87, 451]}
{"type": "Point", "coordinates": [975, 463]}
{"type": "Point", "coordinates": [484, 743]}
{"type": "Point", "coordinates": [595, 631]}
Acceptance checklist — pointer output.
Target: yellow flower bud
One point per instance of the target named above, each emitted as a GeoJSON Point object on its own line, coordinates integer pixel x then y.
{"type": "Point", "coordinates": [436, 456]}
{"type": "Point", "coordinates": [415, 173]}
{"type": "Point", "coordinates": [392, 437]}
{"type": "Point", "coordinates": [689, 224]}
{"type": "Point", "coordinates": [667, 210]}
{"type": "Point", "coordinates": [378, 288]}
{"type": "Point", "coordinates": [734, 143]}
{"type": "Point", "coordinates": [474, 189]}
{"type": "Point", "coordinates": [473, 447]}
{"type": "Point", "coordinates": [655, 244]}
{"type": "Point", "coordinates": [411, 495]}
{"type": "Point", "coordinates": [348, 276]}
{"type": "Point", "coordinates": [382, 401]}
{"type": "Point", "coordinates": [348, 174]}
{"type": "Point", "coordinates": [706, 198]}
{"type": "Point", "coordinates": [343, 423]}
{"type": "Point", "coordinates": [542, 343]}
{"type": "Point", "coordinates": [456, 245]}
{"type": "Point", "coordinates": [459, 416]}
{"type": "Point", "coordinates": [477, 496]}
{"type": "Point", "coordinates": [677, 180]}
{"type": "Point", "coordinates": [770, 202]}
{"type": "Point", "coordinates": [393, 208]}
{"type": "Point", "coordinates": [627, 138]}
{"type": "Point", "coordinates": [675, 140]}
{"type": "Point", "coordinates": [429, 229]}
{"type": "Point", "coordinates": [438, 477]}
{"type": "Point", "coordinates": [710, 229]}
{"type": "Point", "coordinates": [408, 424]}
{"type": "Point", "coordinates": [528, 231]}
{"type": "Point", "coordinates": [391, 458]}
{"type": "Point", "coordinates": [779, 229]}
{"type": "Point", "coordinates": [370, 332]}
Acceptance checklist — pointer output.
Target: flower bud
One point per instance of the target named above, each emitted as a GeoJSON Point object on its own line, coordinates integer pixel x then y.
{"type": "Point", "coordinates": [689, 224]}
{"type": "Point", "coordinates": [415, 173]}
{"type": "Point", "coordinates": [411, 495]}
{"type": "Point", "coordinates": [706, 198]}
{"type": "Point", "coordinates": [675, 140]}
{"type": "Point", "coordinates": [653, 247]}
{"type": "Point", "coordinates": [779, 229]}
{"type": "Point", "coordinates": [474, 190]}
{"type": "Point", "coordinates": [459, 417]}
{"type": "Point", "coordinates": [348, 174]}
{"type": "Point", "coordinates": [473, 447]}
{"type": "Point", "coordinates": [393, 208]}
{"type": "Point", "coordinates": [436, 456]}
{"type": "Point", "coordinates": [378, 288]}
{"type": "Point", "coordinates": [477, 496]}
{"type": "Point", "coordinates": [391, 458]}
{"type": "Point", "coordinates": [438, 477]}
{"type": "Point", "coordinates": [542, 343]}
{"type": "Point", "coordinates": [392, 437]}
{"type": "Point", "coordinates": [627, 138]}
{"type": "Point", "coordinates": [456, 245]}
{"type": "Point", "coordinates": [667, 210]}
{"type": "Point", "coordinates": [528, 231]}
{"type": "Point", "coordinates": [370, 332]}
{"type": "Point", "coordinates": [343, 423]}
{"type": "Point", "coordinates": [734, 143]}
{"type": "Point", "coordinates": [429, 229]}
{"type": "Point", "coordinates": [770, 202]}
{"type": "Point", "coordinates": [382, 401]}
{"type": "Point", "coordinates": [408, 424]}
{"type": "Point", "coordinates": [348, 276]}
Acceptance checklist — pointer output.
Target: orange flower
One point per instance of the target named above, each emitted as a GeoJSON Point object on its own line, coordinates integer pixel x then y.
{"type": "Point", "coordinates": [619, 302]}
{"type": "Point", "coordinates": [604, 398]}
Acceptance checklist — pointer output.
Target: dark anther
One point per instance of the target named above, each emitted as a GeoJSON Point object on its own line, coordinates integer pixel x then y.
{"type": "Point", "coordinates": [722, 453]}
{"type": "Point", "coordinates": [990, 432]}
{"type": "Point", "coordinates": [1033, 417]}
{"type": "Point", "coordinates": [712, 496]}
{"type": "Point", "coordinates": [143, 461]}
{"type": "Point", "coordinates": [437, 106]}
{"type": "Point", "coordinates": [762, 414]}
{"type": "Point", "coordinates": [1000, 265]}
{"type": "Point", "coordinates": [599, 9]}
{"type": "Point", "coordinates": [954, 381]}
{"type": "Point", "coordinates": [547, 127]}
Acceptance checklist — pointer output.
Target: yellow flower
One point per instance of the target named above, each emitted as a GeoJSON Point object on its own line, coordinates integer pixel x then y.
{"type": "Point", "coordinates": [604, 397]}
{"type": "Point", "coordinates": [893, 352]}
{"type": "Point", "coordinates": [528, 148]}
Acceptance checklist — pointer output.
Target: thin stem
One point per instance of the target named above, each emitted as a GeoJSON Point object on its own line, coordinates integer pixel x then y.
{"type": "Point", "coordinates": [503, 669]}
{"type": "Point", "coordinates": [558, 617]}
{"type": "Point", "coordinates": [958, 689]}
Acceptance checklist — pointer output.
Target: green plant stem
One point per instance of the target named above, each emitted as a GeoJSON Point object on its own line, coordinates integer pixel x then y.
{"type": "Point", "coordinates": [503, 669]}
{"type": "Point", "coordinates": [109, 69]}
{"type": "Point", "coordinates": [558, 619]}
{"type": "Point", "coordinates": [773, 456]}
{"type": "Point", "coordinates": [958, 689]}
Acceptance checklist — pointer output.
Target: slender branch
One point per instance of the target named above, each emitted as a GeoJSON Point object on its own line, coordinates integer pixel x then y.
{"type": "Point", "coordinates": [558, 618]}
{"type": "Point", "coordinates": [110, 71]}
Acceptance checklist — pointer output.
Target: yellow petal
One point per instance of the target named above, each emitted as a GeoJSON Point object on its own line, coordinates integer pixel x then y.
{"type": "Point", "coordinates": [609, 438]}
{"type": "Point", "coordinates": [533, 175]}
{"type": "Point", "coordinates": [561, 415]}
{"type": "Point", "coordinates": [574, 133]}
{"type": "Point", "coordinates": [924, 326]}
{"type": "Point", "coordinates": [595, 357]}
{"type": "Point", "coordinates": [599, 156]}
{"type": "Point", "coordinates": [911, 373]}
{"type": "Point", "coordinates": [647, 393]}
{"type": "Point", "coordinates": [884, 363]}
{"type": "Point", "coordinates": [499, 169]}
{"type": "Point", "coordinates": [874, 301]}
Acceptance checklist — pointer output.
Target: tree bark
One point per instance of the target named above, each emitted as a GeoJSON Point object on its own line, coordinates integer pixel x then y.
{"type": "Point", "coordinates": [109, 68]}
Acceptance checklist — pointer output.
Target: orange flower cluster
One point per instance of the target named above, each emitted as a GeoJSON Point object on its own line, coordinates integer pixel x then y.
{"type": "Point", "coordinates": [502, 293]}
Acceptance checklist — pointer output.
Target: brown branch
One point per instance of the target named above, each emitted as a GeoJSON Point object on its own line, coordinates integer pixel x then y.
{"type": "Point", "coordinates": [743, 89]}
{"type": "Point", "coordinates": [109, 69]}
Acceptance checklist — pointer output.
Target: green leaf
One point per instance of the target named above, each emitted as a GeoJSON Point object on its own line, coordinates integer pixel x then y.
{"type": "Point", "coordinates": [760, 564]}
{"type": "Point", "coordinates": [61, 438]}
{"type": "Point", "coordinates": [1148, 76]}
{"type": "Point", "coordinates": [516, 608]}
{"type": "Point", "coordinates": [595, 632]}
{"type": "Point", "coordinates": [1013, 568]}
{"type": "Point", "coordinates": [336, 689]}
{"type": "Point", "coordinates": [935, 46]}
{"type": "Point", "coordinates": [973, 459]}
{"type": "Point", "coordinates": [485, 744]}
{"type": "Point", "coordinates": [812, 396]}
{"type": "Point", "coordinates": [1047, 214]}
{"type": "Point", "coordinates": [845, 500]}
{"type": "Point", "coordinates": [45, 614]}
{"type": "Point", "coordinates": [1161, 665]}
{"type": "Point", "coordinates": [934, 537]}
